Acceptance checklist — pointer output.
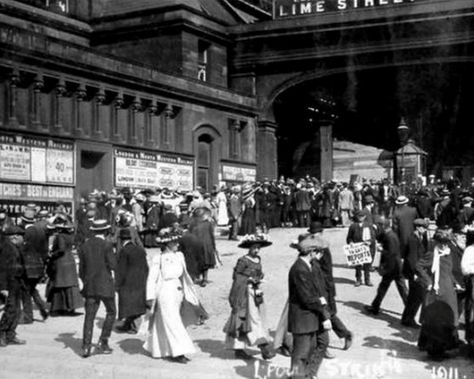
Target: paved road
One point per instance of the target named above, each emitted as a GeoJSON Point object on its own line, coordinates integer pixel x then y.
{"type": "Point", "coordinates": [381, 349]}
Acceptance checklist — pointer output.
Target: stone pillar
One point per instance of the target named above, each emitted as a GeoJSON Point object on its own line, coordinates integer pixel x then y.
{"type": "Point", "coordinates": [267, 166]}
{"type": "Point", "coordinates": [60, 90]}
{"type": "Point", "coordinates": [234, 142]}
{"type": "Point", "coordinates": [167, 115]}
{"type": "Point", "coordinates": [150, 113]}
{"type": "Point", "coordinates": [325, 131]}
{"type": "Point", "coordinates": [134, 109]}
{"type": "Point", "coordinates": [12, 98]}
{"type": "Point", "coordinates": [99, 101]}
{"type": "Point", "coordinates": [79, 97]}
{"type": "Point", "coordinates": [117, 105]}
{"type": "Point", "coordinates": [38, 85]}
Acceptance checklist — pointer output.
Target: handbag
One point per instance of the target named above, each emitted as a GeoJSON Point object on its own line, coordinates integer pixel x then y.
{"type": "Point", "coordinates": [258, 296]}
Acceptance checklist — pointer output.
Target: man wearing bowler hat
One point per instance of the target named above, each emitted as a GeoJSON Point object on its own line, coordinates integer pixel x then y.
{"type": "Point", "coordinates": [96, 263]}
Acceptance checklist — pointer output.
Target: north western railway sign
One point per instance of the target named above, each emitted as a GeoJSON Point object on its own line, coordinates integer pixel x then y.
{"type": "Point", "coordinates": [292, 8]}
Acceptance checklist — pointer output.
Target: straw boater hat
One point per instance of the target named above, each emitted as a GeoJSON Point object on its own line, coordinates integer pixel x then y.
{"type": "Point", "coordinates": [250, 240]}
{"type": "Point", "coordinates": [401, 200]}
{"type": "Point", "coordinates": [99, 225]}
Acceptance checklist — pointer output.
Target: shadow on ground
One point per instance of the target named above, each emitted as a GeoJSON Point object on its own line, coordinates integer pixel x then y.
{"type": "Point", "coordinates": [132, 346]}
{"type": "Point", "coordinates": [70, 342]}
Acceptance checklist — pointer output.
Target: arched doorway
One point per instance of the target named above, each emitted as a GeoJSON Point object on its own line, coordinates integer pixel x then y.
{"type": "Point", "coordinates": [207, 151]}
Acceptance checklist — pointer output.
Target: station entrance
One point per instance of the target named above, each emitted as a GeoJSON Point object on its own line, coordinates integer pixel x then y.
{"type": "Point", "coordinates": [365, 107]}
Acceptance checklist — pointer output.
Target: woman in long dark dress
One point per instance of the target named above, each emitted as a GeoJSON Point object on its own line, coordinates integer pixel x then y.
{"type": "Point", "coordinates": [248, 224]}
{"type": "Point", "coordinates": [203, 228]}
{"type": "Point", "coordinates": [63, 286]}
{"type": "Point", "coordinates": [245, 325]}
{"type": "Point", "coordinates": [131, 277]}
{"type": "Point", "coordinates": [439, 314]}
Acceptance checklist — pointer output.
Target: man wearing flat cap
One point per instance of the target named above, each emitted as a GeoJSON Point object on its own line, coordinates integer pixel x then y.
{"type": "Point", "coordinates": [308, 316]}
{"type": "Point", "coordinates": [416, 251]}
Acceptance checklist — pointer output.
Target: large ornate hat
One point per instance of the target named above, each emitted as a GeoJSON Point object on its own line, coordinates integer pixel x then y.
{"type": "Point", "coordinates": [250, 240]}
{"type": "Point", "coordinates": [167, 235]}
{"type": "Point", "coordinates": [99, 225]}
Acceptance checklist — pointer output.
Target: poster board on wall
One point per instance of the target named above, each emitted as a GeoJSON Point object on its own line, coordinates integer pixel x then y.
{"type": "Point", "coordinates": [150, 170]}
{"type": "Point", "coordinates": [36, 160]}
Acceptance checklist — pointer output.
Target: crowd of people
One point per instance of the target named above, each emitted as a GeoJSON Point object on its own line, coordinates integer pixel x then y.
{"type": "Point", "coordinates": [153, 246]}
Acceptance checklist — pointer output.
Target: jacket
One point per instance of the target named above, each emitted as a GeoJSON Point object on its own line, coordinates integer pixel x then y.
{"type": "Point", "coordinates": [306, 311]}
{"type": "Point", "coordinates": [96, 263]}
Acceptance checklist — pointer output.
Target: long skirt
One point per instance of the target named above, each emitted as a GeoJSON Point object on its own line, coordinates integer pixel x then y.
{"type": "Point", "coordinates": [168, 336]}
{"type": "Point", "coordinates": [248, 224]}
{"type": "Point", "coordinates": [438, 325]}
{"type": "Point", "coordinates": [282, 337]}
{"type": "Point", "coordinates": [255, 321]}
{"type": "Point", "coordinates": [65, 299]}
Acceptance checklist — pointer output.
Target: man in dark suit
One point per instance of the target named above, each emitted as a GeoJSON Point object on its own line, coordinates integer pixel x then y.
{"type": "Point", "coordinates": [235, 212]}
{"type": "Point", "coordinates": [96, 263]}
{"type": "Point", "coordinates": [403, 218]}
{"type": "Point", "coordinates": [308, 316]}
{"type": "Point", "coordinates": [361, 231]}
{"type": "Point", "coordinates": [390, 267]}
{"type": "Point", "coordinates": [34, 254]}
{"type": "Point", "coordinates": [417, 249]}
{"type": "Point", "coordinates": [11, 281]}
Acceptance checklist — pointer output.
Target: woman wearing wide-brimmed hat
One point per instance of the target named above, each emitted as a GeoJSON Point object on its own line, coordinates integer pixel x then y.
{"type": "Point", "coordinates": [63, 285]}
{"type": "Point", "coordinates": [173, 303]}
{"type": "Point", "coordinates": [245, 325]}
{"type": "Point", "coordinates": [439, 314]}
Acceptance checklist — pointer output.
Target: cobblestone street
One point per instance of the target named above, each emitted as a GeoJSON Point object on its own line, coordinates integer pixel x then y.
{"type": "Point", "coordinates": [382, 348]}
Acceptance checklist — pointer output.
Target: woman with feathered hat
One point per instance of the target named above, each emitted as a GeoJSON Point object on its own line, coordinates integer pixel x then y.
{"type": "Point", "coordinates": [245, 325]}
{"type": "Point", "coordinates": [173, 303]}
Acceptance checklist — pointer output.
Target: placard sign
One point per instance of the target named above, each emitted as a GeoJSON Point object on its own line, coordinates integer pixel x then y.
{"type": "Point", "coordinates": [150, 170]}
{"type": "Point", "coordinates": [35, 159]}
{"type": "Point", "coordinates": [357, 254]}
{"type": "Point", "coordinates": [238, 174]}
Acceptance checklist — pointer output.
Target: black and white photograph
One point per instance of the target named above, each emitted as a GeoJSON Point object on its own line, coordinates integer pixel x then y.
{"type": "Point", "coordinates": [226, 189]}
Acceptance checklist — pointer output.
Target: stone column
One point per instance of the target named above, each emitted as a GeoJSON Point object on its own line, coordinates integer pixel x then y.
{"type": "Point", "coordinates": [134, 109]}
{"type": "Point", "coordinates": [234, 139]}
{"type": "Point", "coordinates": [167, 115]}
{"type": "Point", "coordinates": [60, 90]}
{"type": "Point", "coordinates": [99, 101]}
{"type": "Point", "coordinates": [267, 166]}
{"type": "Point", "coordinates": [117, 105]}
{"type": "Point", "coordinates": [150, 113]}
{"type": "Point", "coordinates": [38, 85]}
{"type": "Point", "coordinates": [12, 98]}
{"type": "Point", "coordinates": [325, 131]}
{"type": "Point", "coordinates": [79, 98]}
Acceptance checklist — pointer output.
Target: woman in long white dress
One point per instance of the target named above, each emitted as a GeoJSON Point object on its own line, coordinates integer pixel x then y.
{"type": "Point", "coordinates": [173, 303]}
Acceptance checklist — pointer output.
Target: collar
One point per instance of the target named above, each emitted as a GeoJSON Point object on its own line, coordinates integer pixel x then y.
{"type": "Point", "coordinates": [101, 236]}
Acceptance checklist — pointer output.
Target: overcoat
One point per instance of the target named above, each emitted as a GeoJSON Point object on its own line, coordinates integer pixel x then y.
{"type": "Point", "coordinates": [132, 273]}
{"type": "Point", "coordinates": [96, 263]}
{"type": "Point", "coordinates": [306, 312]}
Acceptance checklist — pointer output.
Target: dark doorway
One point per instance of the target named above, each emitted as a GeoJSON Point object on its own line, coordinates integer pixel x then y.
{"type": "Point", "coordinates": [204, 161]}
